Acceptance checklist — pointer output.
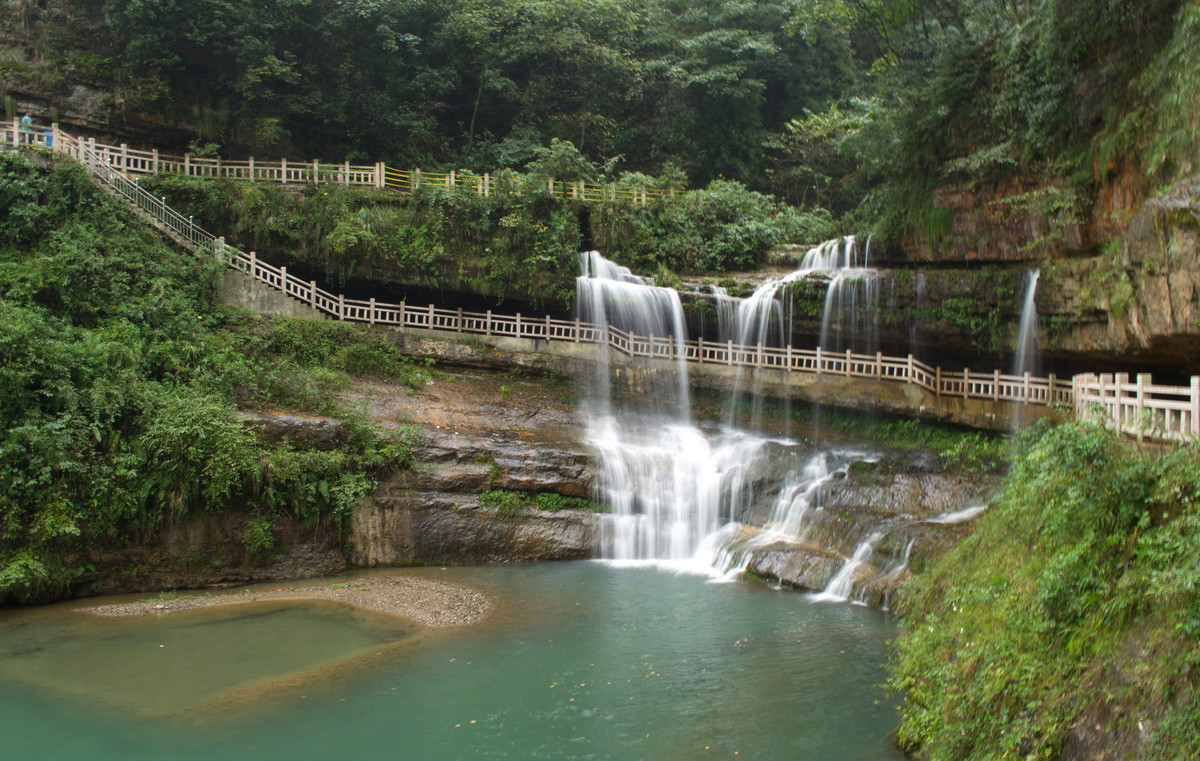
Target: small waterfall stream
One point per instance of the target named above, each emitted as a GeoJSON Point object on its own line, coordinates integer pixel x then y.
{"type": "Point", "coordinates": [1028, 353]}
{"type": "Point", "coordinates": [841, 585]}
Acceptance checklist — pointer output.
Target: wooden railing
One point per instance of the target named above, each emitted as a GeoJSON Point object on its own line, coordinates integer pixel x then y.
{"type": "Point", "coordinates": [1139, 408]}
{"type": "Point", "coordinates": [287, 171]}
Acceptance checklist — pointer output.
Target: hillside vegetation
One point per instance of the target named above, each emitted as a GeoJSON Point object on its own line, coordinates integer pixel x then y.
{"type": "Point", "coordinates": [1067, 623]}
{"type": "Point", "coordinates": [119, 378]}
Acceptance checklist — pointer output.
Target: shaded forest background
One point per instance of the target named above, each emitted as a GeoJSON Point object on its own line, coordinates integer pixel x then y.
{"type": "Point", "coordinates": [858, 106]}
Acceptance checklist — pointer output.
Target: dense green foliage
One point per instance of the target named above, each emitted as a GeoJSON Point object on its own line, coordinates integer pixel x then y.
{"type": "Point", "coordinates": [120, 377]}
{"type": "Point", "coordinates": [1080, 586]}
{"type": "Point", "coordinates": [456, 238]}
{"type": "Point", "coordinates": [479, 84]}
{"type": "Point", "coordinates": [861, 107]}
{"type": "Point", "coordinates": [975, 90]}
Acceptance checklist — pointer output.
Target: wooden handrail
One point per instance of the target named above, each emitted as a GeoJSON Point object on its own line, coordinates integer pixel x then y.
{"type": "Point", "coordinates": [1137, 407]}
{"type": "Point", "coordinates": [283, 171]}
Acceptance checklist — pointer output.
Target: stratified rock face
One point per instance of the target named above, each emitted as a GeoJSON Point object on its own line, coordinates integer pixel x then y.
{"type": "Point", "coordinates": [1142, 297]}
{"type": "Point", "coordinates": [401, 527]}
{"type": "Point", "coordinates": [311, 431]}
{"type": "Point", "coordinates": [208, 550]}
{"type": "Point", "coordinates": [994, 223]}
{"type": "Point", "coordinates": [432, 514]}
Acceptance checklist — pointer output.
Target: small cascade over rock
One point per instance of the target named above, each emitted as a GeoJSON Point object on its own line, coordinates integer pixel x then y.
{"type": "Point", "coordinates": [843, 583]}
{"type": "Point", "coordinates": [1028, 353]}
{"type": "Point", "coordinates": [850, 319]}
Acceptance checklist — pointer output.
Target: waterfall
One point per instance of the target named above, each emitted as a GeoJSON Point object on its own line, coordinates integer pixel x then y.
{"type": "Point", "coordinates": [919, 301]}
{"type": "Point", "coordinates": [730, 550]}
{"type": "Point", "coordinates": [849, 318]}
{"type": "Point", "coordinates": [610, 296]}
{"type": "Point", "coordinates": [842, 584]}
{"type": "Point", "coordinates": [682, 495]}
{"type": "Point", "coordinates": [1028, 354]}
{"type": "Point", "coordinates": [669, 484]}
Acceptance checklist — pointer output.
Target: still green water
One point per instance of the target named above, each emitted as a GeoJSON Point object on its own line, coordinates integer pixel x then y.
{"type": "Point", "coordinates": [580, 661]}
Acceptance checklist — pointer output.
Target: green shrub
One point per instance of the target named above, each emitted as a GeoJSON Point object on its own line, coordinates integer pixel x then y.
{"type": "Point", "coordinates": [258, 537]}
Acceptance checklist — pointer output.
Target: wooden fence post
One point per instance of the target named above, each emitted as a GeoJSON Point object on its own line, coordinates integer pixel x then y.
{"type": "Point", "coordinates": [283, 171]}
{"type": "Point", "coordinates": [966, 382]}
{"type": "Point", "coordinates": [16, 130]}
{"type": "Point", "coordinates": [1143, 380]}
{"type": "Point", "coordinates": [371, 314]}
{"type": "Point", "coordinates": [1195, 405]}
{"type": "Point", "coordinates": [911, 369]}
{"type": "Point", "coordinates": [547, 327]}
{"type": "Point", "coordinates": [789, 357]}
{"type": "Point", "coordinates": [460, 320]}
{"type": "Point", "coordinates": [187, 164]}
{"type": "Point", "coordinates": [346, 174]}
{"type": "Point", "coordinates": [401, 316]}
{"type": "Point", "coordinates": [1120, 380]}
{"type": "Point", "coordinates": [488, 327]}
{"type": "Point", "coordinates": [154, 161]}
{"type": "Point", "coordinates": [578, 330]}
{"type": "Point", "coordinates": [518, 324]}
{"type": "Point", "coordinates": [124, 157]}
{"type": "Point", "coordinates": [937, 382]}
{"type": "Point", "coordinates": [431, 316]}
{"type": "Point", "coordinates": [250, 163]}
{"type": "Point", "coordinates": [1051, 389]}
{"type": "Point", "coordinates": [848, 361]}
{"type": "Point", "coordinates": [341, 306]}
{"type": "Point", "coordinates": [996, 386]}
{"type": "Point", "coordinates": [312, 293]}
{"type": "Point", "coordinates": [729, 353]}
{"type": "Point", "coordinates": [56, 141]}
{"type": "Point", "coordinates": [819, 360]}
{"type": "Point", "coordinates": [253, 258]}
{"type": "Point", "coordinates": [487, 184]}
{"type": "Point", "coordinates": [283, 280]}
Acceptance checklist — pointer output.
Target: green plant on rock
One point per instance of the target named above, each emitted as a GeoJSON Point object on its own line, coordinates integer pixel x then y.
{"type": "Point", "coordinates": [258, 538]}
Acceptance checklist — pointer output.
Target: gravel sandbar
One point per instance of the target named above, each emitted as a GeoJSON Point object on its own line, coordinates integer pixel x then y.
{"type": "Point", "coordinates": [423, 601]}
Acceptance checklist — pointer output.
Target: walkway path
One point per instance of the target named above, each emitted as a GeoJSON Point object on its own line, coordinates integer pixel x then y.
{"type": "Point", "coordinates": [1138, 407]}
{"type": "Point", "coordinates": [289, 171]}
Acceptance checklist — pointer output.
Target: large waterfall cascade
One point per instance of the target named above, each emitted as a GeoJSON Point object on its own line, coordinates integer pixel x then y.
{"type": "Point", "coordinates": [702, 499]}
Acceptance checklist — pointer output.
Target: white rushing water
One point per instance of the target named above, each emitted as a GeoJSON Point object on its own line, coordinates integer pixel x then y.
{"type": "Point", "coordinates": [848, 321]}
{"type": "Point", "coordinates": [681, 495]}
{"type": "Point", "coordinates": [1028, 352]}
{"type": "Point", "coordinates": [958, 516]}
{"type": "Point", "coordinates": [840, 586]}
{"type": "Point", "coordinates": [611, 296]}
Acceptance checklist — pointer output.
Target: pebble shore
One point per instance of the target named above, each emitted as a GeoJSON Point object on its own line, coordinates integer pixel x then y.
{"type": "Point", "coordinates": [422, 601]}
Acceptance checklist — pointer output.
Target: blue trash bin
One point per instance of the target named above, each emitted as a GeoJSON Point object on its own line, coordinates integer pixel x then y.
{"type": "Point", "coordinates": [49, 135]}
